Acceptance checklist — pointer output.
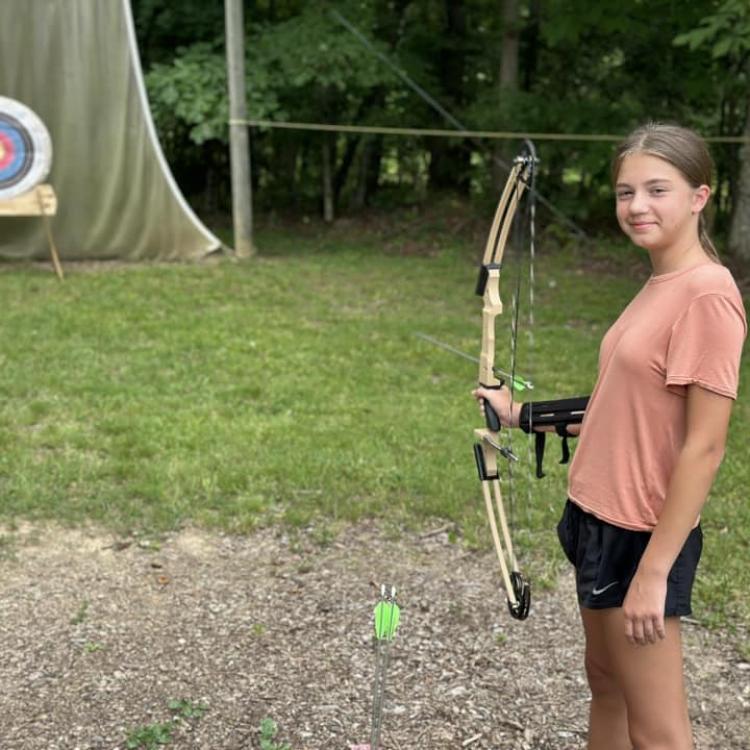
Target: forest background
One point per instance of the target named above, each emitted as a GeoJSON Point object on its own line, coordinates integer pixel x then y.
{"type": "Point", "coordinates": [564, 67]}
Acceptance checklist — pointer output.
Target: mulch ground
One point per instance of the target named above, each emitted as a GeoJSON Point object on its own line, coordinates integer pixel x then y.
{"type": "Point", "coordinates": [99, 635]}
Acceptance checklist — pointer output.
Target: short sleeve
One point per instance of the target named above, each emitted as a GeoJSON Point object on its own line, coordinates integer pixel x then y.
{"type": "Point", "coordinates": [706, 345]}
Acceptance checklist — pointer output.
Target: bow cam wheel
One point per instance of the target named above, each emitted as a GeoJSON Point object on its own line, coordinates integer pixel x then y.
{"type": "Point", "coordinates": [522, 592]}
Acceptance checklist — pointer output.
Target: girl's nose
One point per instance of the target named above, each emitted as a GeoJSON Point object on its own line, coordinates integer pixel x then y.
{"type": "Point", "coordinates": [638, 202]}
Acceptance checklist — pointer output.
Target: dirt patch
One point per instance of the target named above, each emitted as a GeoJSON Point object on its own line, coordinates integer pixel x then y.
{"type": "Point", "coordinates": [98, 636]}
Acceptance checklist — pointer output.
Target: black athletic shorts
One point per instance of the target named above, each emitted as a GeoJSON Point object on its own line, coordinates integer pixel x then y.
{"type": "Point", "coordinates": [606, 557]}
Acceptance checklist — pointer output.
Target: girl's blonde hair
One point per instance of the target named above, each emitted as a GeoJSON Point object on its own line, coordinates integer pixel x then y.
{"type": "Point", "coordinates": [684, 149]}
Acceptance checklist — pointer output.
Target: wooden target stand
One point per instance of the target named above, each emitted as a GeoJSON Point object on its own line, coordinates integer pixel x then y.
{"type": "Point", "coordinates": [39, 201]}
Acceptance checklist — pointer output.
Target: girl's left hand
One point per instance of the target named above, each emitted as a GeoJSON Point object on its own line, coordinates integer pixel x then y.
{"type": "Point", "coordinates": [643, 608]}
{"type": "Point", "coordinates": [501, 401]}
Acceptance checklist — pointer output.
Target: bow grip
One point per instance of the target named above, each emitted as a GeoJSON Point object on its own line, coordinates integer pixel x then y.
{"type": "Point", "coordinates": [491, 417]}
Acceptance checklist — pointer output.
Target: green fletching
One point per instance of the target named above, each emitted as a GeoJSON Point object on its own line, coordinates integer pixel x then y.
{"type": "Point", "coordinates": [519, 384]}
{"type": "Point", "coordinates": [387, 615]}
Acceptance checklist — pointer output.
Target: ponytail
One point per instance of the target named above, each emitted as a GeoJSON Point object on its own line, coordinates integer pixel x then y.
{"type": "Point", "coordinates": [705, 240]}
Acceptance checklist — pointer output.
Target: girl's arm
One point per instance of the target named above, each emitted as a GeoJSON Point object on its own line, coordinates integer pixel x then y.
{"type": "Point", "coordinates": [706, 431]}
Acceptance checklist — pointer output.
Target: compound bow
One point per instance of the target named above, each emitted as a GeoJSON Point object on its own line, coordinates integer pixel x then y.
{"type": "Point", "coordinates": [488, 447]}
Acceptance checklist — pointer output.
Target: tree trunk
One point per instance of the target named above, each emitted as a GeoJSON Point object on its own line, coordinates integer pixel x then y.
{"type": "Point", "coordinates": [342, 173]}
{"type": "Point", "coordinates": [374, 162]}
{"type": "Point", "coordinates": [327, 171]}
{"type": "Point", "coordinates": [508, 78]}
{"type": "Point", "coordinates": [450, 162]}
{"type": "Point", "coordinates": [528, 53]}
{"type": "Point", "coordinates": [507, 84]}
{"type": "Point", "coordinates": [359, 199]}
{"type": "Point", "coordinates": [285, 152]}
{"type": "Point", "coordinates": [739, 230]}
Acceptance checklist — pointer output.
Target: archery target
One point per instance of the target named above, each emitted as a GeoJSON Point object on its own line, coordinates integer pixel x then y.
{"type": "Point", "coordinates": [25, 149]}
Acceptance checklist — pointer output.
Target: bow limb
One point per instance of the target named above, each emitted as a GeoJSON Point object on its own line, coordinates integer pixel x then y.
{"type": "Point", "coordinates": [495, 513]}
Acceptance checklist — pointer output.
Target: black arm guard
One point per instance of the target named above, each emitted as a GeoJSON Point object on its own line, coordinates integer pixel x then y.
{"type": "Point", "coordinates": [559, 414]}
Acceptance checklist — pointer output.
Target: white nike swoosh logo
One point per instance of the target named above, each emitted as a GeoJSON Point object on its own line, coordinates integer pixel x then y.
{"type": "Point", "coordinates": [596, 592]}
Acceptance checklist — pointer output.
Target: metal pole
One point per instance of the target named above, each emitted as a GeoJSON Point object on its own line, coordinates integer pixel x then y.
{"type": "Point", "coordinates": [239, 152]}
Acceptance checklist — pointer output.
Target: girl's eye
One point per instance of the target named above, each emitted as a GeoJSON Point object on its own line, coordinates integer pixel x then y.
{"type": "Point", "coordinates": [623, 194]}
{"type": "Point", "coordinates": [658, 191]}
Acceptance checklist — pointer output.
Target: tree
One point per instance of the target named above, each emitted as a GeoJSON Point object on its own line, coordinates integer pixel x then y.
{"type": "Point", "coordinates": [323, 75]}
{"type": "Point", "coordinates": [507, 77]}
{"type": "Point", "coordinates": [562, 66]}
{"type": "Point", "coordinates": [726, 35]}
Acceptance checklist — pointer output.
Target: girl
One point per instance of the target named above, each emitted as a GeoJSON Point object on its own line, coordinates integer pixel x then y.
{"type": "Point", "coordinates": [651, 441]}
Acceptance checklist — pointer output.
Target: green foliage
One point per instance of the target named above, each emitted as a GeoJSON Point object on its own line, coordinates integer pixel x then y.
{"type": "Point", "coordinates": [187, 709]}
{"type": "Point", "coordinates": [301, 62]}
{"type": "Point", "coordinates": [310, 54]}
{"type": "Point", "coordinates": [191, 93]}
{"type": "Point", "coordinates": [268, 732]}
{"type": "Point", "coordinates": [164, 26]}
{"type": "Point", "coordinates": [149, 736]}
{"type": "Point", "coordinates": [576, 21]}
{"type": "Point", "coordinates": [152, 736]}
{"type": "Point", "coordinates": [726, 32]}
{"type": "Point", "coordinates": [257, 629]}
{"type": "Point", "coordinates": [583, 68]}
{"type": "Point", "coordinates": [81, 614]}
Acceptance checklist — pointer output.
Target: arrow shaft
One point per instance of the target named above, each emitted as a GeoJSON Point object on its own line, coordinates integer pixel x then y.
{"type": "Point", "coordinates": [518, 381]}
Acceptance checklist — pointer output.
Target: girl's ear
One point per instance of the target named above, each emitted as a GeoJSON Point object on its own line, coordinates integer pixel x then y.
{"type": "Point", "coordinates": [700, 197]}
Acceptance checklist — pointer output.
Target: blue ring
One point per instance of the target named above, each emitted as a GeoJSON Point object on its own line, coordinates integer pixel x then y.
{"type": "Point", "coordinates": [23, 152]}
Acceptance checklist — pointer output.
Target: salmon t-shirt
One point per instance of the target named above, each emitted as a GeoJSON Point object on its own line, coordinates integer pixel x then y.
{"type": "Point", "coordinates": [685, 327]}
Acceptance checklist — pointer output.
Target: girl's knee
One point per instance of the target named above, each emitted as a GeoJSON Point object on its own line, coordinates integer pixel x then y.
{"type": "Point", "coordinates": [678, 737]}
{"type": "Point", "coordinates": [601, 678]}
{"type": "Point", "coordinates": [660, 725]}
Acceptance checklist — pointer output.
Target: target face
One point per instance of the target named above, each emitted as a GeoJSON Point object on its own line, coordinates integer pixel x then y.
{"type": "Point", "coordinates": [25, 149]}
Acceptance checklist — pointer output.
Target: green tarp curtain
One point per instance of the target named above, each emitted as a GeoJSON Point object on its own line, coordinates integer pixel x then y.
{"type": "Point", "coordinates": [76, 64]}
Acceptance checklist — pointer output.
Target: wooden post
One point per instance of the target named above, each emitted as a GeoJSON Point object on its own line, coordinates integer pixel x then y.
{"type": "Point", "coordinates": [43, 209]}
{"type": "Point", "coordinates": [39, 201]}
{"type": "Point", "coordinates": [239, 152]}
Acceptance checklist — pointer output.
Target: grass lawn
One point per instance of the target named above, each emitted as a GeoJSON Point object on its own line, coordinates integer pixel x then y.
{"type": "Point", "coordinates": [292, 389]}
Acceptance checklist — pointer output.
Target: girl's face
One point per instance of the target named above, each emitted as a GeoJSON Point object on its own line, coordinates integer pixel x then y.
{"type": "Point", "coordinates": [656, 206]}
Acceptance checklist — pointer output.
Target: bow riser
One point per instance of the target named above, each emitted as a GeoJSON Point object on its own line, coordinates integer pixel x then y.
{"type": "Point", "coordinates": [493, 307]}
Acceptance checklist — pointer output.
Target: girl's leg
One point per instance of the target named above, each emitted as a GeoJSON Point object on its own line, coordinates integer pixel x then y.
{"type": "Point", "coordinates": [652, 683]}
{"type": "Point", "coordinates": [608, 718]}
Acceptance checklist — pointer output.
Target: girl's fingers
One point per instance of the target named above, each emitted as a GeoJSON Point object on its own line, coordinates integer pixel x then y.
{"type": "Point", "coordinates": [646, 630]}
{"type": "Point", "coordinates": [659, 628]}
{"type": "Point", "coordinates": [629, 631]}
